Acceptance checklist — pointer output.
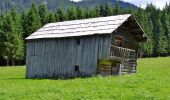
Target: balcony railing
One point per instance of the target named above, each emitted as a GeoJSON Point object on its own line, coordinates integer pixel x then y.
{"type": "Point", "coordinates": [122, 54]}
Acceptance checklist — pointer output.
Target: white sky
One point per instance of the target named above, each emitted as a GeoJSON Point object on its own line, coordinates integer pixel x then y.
{"type": "Point", "coordinates": [158, 3]}
{"type": "Point", "coordinates": [75, 0]}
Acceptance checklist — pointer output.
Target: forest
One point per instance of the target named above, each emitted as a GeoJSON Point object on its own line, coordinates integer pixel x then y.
{"type": "Point", "coordinates": [21, 5]}
{"type": "Point", "coordinates": [16, 26]}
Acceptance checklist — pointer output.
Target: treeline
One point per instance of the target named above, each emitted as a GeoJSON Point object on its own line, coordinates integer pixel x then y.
{"type": "Point", "coordinates": [15, 27]}
{"type": "Point", "coordinates": [21, 5]}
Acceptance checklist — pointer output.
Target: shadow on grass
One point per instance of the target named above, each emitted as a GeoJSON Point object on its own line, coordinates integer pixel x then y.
{"type": "Point", "coordinates": [12, 78]}
{"type": "Point", "coordinates": [19, 79]}
{"type": "Point", "coordinates": [63, 79]}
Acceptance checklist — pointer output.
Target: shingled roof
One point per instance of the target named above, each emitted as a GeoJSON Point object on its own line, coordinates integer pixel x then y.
{"type": "Point", "coordinates": [84, 27]}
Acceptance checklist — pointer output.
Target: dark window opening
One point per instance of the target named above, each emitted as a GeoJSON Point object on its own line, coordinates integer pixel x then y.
{"type": "Point", "coordinates": [78, 41]}
{"type": "Point", "coordinates": [118, 41]}
{"type": "Point", "coordinates": [77, 68]}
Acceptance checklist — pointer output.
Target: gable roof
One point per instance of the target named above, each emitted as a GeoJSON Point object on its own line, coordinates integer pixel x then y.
{"type": "Point", "coordinates": [100, 25]}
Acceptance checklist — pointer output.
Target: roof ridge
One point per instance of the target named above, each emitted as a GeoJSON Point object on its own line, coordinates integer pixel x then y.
{"type": "Point", "coordinates": [88, 19]}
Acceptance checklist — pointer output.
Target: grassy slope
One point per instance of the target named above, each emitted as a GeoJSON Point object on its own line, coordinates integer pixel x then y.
{"type": "Point", "coordinates": [151, 82]}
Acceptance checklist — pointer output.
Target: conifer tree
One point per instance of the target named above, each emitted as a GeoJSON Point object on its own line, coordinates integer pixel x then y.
{"type": "Point", "coordinates": [9, 37]}
{"type": "Point", "coordinates": [97, 11]}
{"type": "Point", "coordinates": [108, 10]}
{"type": "Point", "coordinates": [57, 17]}
{"type": "Point", "coordinates": [102, 11]}
{"type": "Point", "coordinates": [18, 49]}
{"type": "Point", "coordinates": [32, 21]}
{"type": "Point", "coordinates": [165, 25]}
{"type": "Point", "coordinates": [72, 13]}
{"type": "Point", "coordinates": [79, 13]}
{"type": "Point", "coordinates": [42, 11]}
{"type": "Point", "coordinates": [116, 9]}
{"type": "Point", "coordinates": [148, 46]}
{"type": "Point", "coordinates": [50, 17]}
{"type": "Point", "coordinates": [60, 14]}
{"type": "Point", "coordinates": [162, 42]}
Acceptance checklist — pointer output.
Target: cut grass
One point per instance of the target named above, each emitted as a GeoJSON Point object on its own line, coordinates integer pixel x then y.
{"type": "Point", "coordinates": [152, 81]}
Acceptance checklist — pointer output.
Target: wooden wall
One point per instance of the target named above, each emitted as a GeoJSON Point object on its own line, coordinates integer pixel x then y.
{"type": "Point", "coordinates": [104, 47]}
{"type": "Point", "coordinates": [128, 40]}
{"type": "Point", "coordinates": [57, 58]}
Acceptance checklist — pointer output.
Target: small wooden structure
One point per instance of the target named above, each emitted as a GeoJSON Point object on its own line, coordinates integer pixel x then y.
{"type": "Point", "coordinates": [78, 48]}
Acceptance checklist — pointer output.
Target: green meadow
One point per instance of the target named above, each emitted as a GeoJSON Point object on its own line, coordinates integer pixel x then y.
{"type": "Point", "coordinates": [151, 82]}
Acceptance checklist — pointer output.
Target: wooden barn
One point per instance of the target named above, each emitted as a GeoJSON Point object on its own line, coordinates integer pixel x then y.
{"type": "Point", "coordinates": [82, 48]}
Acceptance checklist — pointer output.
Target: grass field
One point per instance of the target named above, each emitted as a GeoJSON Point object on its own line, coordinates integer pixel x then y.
{"type": "Point", "coordinates": [152, 82]}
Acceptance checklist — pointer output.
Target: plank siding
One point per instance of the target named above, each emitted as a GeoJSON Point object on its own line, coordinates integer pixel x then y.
{"type": "Point", "coordinates": [104, 47]}
{"type": "Point", "coordinates": [128, 40]}
{"type": "Point", "coordinates": [57, 58]}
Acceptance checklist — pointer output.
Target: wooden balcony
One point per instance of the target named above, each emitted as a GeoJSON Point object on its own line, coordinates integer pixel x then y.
{"type": "Point", "coordinates": [122, 61]}
{"type": "Point", "coordinates": [126, 58]}
{"type": "Point", "coordinates": [122, 54]}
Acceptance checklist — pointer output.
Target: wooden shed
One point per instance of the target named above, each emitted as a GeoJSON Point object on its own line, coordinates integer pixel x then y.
{"type": "Point", "coordinates": [81, 48]}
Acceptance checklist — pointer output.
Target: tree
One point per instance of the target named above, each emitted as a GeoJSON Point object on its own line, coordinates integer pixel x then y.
{"type": "Point", "coordinates": [154, 15]}
{"type": "Point", "coordinates": [2, 40]}
{"type": "Point", "coordinates": [42, 11]}
{"type": "Point", "coordinates": [57, 17]}
{"type": "Point", "coordinates": [97, 11]}
{"type": "Point", "coordinates": [79, 13]}
{"type": "Point", "coordinates": [102, 11]}
{"type": "Point", "coordinates": [60, 14]}
{"type": "Point", "coordinates": [50, 17]}
{"type": "Point", "coordinates": [86, 13]}
{"type": "Point", "coordinates": [148, 47]}
{"type": "Point", "coordinates": [72, 13]}
{"type": "Point", "coordinates": [32, 21]}
{"type": "Point", "coordinates": [12, 41]}
{"type": "Point", "coordinates": [8, 38]}
{"type": "Point", "coordinates": [162, 44]}
{"type": "Point", "coordinates": [165, 25]}
{"type": "Point", "coordinates": [116, 9]}
{"type": "Point", "coordinates": [108, 10]}
{"type": "Point", "coordinates": [18, 49]}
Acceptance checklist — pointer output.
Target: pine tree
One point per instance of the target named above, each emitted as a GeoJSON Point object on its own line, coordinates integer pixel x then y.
{"type": "Point", "coordinates": [102, 11]}
{"type": "Point", "coordinates": [168, 36]}
{"type": "Point", "coordinates": [42, 10]}
{"type": "Point", "coordinates": [97, 11]}
{"type": "Point", "coordinates": [57, 17]}
{"type": "Point", "coordinates": [165, 25]}
{"type": "Point", "coordinates": [60, 14]}
{"type": "Point", "coordinates": [72, 13]}
{"type": "Point", "coordinates": [50, 17]}
{"type": "Point", "coordinates": [140, 18]}
{"type": "Point", "coordinates": [91, 13]}
{"type": "Point", "coordinates": [86, 12]}
{"type": "Point", "coordinates": [32, 21]}
{"type": "Point", "coordinates": [23, 24]}
{"type": "Point", "coordinates": [7, 43]}
{"type": "Point", "coordinates": [154, 15]}
{"type": "Point", "coordinates": [79, 13]}
{"type": "Point", "coordinates": [162, 44]}
{"type": "Point", "coordinates": [108, 10]}
{"type": "Point", "coordinates": [148, 47]}
{"type": "Point", "coordinates": [116, 9]}
{"type": "Point", "coordinates": [2, 40]}
{"type": "Point", "coordinates": [18, 49]}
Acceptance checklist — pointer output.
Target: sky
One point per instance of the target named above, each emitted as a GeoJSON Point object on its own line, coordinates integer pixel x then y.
{"type": "Point", "coordinates": [142, 3]}
{"type": "Point", "coordinates": [75, 0]}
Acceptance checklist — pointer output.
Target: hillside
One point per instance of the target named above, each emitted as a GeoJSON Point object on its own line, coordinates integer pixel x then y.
{"type": "Point", "coordinates": [87, 3]}
{"type": "Point", "coordinates": [20, 5]}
